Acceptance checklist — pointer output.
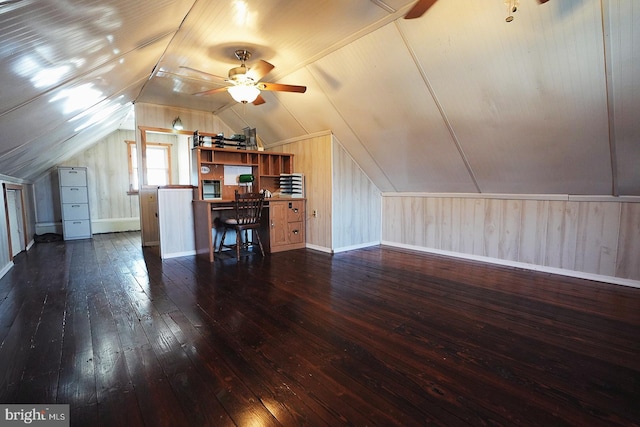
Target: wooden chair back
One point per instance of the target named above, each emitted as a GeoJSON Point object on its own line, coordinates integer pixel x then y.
{"type": "Point", "coordinates": [248, 208]}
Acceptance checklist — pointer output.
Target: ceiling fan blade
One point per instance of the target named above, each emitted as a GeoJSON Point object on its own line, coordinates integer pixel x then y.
{"type": "Point", "coordinates": [259, 100]}
{"type": "Point", "coordinates": [419, 9]}
{"type": "Point", "coordinates": [542, 1]}
{"type": "Point", "coordinates": [281, 87]}
{"type": "Point", "coordinates": [259, 70]}
{"type": "Point", "coordinates": [211, 91]}
{"type": "Point", "coordinates": [202, 72]}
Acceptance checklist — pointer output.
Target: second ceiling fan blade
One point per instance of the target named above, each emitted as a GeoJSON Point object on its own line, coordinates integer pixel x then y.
{"type": "Point", "coordinates": [419, 9]}
{"type": "Point", "coordinates": [259, 100]}
{"type": "Point", "coordinates": [282, 87]}
{"type": "Point", "coordinates": [259, 70]}
{"type": "Point", "coordinates": [211, 91]}
{"type": "Point", "coordinates": [204, 73]}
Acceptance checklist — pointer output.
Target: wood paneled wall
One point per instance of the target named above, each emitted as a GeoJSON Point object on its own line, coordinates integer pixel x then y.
{"type": "Point", "coordinates": [346, 201]}
{"type": "Point", "coordinates": [356, 203]}
{"type": "Point", "coordinates": [312, 157]}
{"type": "Point", "coordinates": [108, 175]}
{"type": "Point", "coordinates": [596, 237]}
{"type": "Point", "coordinates": [159, 116]}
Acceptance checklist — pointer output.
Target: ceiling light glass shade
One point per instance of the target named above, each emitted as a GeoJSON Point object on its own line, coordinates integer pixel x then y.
{"type": "Point", "coordinates": [244, 93]}
{"type": "Point", "coordinates": [177, 124]}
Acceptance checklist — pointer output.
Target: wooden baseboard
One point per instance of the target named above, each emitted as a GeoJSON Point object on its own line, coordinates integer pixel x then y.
{"type": "Point", "coordinates": [534, 267]}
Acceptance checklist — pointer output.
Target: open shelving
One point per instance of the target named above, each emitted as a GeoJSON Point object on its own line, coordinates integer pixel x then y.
{"type": "Point", "coordinates": [209, 163]}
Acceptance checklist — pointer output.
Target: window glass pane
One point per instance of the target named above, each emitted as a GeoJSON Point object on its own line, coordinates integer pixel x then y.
{"type": "Point", "coordinates": [157, 167]}
{"type": "Point", "coordinates": [157, 176]}
{"type": "Point", "coordinates": [156, 157]}
{"type": "Point", "coordinates": [133, 179]}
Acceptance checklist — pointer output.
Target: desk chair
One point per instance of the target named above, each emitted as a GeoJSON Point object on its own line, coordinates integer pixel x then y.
{"type": "Point", "coordinates": [248, 211]}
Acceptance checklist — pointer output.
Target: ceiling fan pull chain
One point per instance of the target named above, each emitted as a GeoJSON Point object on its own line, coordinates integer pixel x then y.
{"type": "Point", "coordinates": [512, 7]}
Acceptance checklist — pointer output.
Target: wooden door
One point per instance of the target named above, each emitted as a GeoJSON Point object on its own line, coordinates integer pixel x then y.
{"type": "Point", "coordinates": [278, 223]}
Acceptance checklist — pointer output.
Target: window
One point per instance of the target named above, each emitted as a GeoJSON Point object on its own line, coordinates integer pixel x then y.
{"type": "Point", "coordinates": [158, 165]}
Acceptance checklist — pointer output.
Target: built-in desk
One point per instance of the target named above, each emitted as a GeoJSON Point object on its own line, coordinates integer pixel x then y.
{"type": "Point", "coordinates": [283, 224]}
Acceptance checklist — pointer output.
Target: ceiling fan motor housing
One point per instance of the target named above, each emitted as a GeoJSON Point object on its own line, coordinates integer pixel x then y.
{"type": "Point", "coordinates": [239, 74]}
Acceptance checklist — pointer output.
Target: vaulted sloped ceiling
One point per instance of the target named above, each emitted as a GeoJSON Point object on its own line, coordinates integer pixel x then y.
{"type": "Point", "coordinates": [69, 72]}
{"type": "Point", "coordinates": [455, 101]}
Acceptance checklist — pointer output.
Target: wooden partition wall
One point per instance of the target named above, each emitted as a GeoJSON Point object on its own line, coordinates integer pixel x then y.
{"type": "Point", "coordinates": [599, 237]}
{"type": "Point", "coordinates": [346, 202]}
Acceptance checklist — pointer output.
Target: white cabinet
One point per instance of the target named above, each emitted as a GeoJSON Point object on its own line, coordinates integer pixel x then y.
{"type": "Point", "coordinates": [74, 197]}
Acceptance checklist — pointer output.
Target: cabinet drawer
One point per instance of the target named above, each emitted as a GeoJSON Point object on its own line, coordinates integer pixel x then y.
{"type": "Point", "coordinates": [74, 195]}
{"type": "Point", "coordinates": [77, 229]}
{"type": "Point", "coordinates": [295, 211]}
{"type": "Point", "coordinates": [73, 211]}
{"type": "Point", "coordinates": [73, 177]}
{"type": "Point", "coordinates": [295, 232]}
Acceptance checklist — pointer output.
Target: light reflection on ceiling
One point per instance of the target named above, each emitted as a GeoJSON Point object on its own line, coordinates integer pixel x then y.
{"type": "Point", "coordinates": [242, 15]}
{"type": "Point", "coordinates": [78, 98]}
{"type": "Point", "coordinates": [99, 113]}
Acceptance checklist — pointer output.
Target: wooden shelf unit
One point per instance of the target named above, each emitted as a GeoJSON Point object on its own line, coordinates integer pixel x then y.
{"type": "Point", "coordinates": [265, 167]}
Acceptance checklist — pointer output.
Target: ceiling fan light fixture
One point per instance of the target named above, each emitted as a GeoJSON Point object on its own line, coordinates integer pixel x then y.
{"type": "Point", "coordinates": [244, 93]}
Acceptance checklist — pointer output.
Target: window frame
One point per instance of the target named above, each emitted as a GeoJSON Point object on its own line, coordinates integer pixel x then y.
{"type": "Point", "coordinates": [133, 169]}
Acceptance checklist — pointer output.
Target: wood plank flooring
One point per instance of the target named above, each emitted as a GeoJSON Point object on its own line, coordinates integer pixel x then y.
{"type": "Point", "coordinates": [376, 336]}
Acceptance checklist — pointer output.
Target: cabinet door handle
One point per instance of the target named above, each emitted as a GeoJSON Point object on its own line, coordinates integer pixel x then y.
{"type": "Point", "coordinates": [272, 224]}
{"type": "Point", "coordinates": [75, 206]}
{"type": "Point", "coordinates": [295, 210]}
{"type": "Point", "coordinates": [295, 231]}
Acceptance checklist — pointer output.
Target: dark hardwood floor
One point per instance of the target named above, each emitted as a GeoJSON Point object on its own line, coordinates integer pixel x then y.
{"type": "Point", "coordinates": [376, 336]}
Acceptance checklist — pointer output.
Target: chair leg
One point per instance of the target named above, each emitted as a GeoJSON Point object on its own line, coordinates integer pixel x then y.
{"type": "Point", "coordinates": [224, 234]}
{"type": "Point", "coordinates": [259, 241]}
{"type": "Point", "coordinates": [238, 244]}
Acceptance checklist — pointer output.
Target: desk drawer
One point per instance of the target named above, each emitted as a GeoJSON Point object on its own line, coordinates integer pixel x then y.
{"type": "Point", "coordinates": [296, 232]}
{"type": "Point", "coordinates": [295, 211]}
